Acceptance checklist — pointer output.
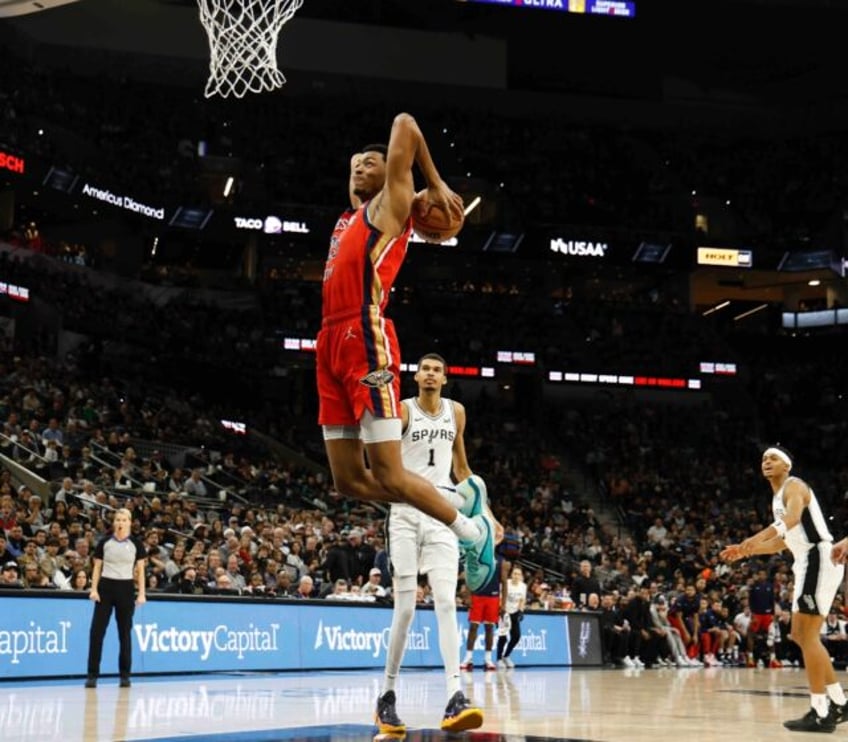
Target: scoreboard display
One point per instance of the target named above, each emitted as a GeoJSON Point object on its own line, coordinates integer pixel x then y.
{"type": "Point", "coordinates": [617, 8]}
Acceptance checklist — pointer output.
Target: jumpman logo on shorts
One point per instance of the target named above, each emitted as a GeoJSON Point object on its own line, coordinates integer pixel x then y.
{"type": "Point", "coordinates": [350, 334]}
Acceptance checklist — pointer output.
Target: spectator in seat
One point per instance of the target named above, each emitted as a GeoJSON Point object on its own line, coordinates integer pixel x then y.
{"type": "Point", "coordinates": [676, 652]}
{"type": "Point", "coordinates": [615, 634]}
{"type": "Point", "coordinates": [9, 577]}
{"type": "Point", "coordinates": [585, 583]}
{"type": "Point", "coordinates": [683, 615]}
{"type": "Point", "coordinates": [340, 591]}
{"type": "Point", "coordinates": [835, 638]}
{"type": "Point", "coordinates": [305, 588]}
{"type": "Point", "coordinates": [194, 485]}
{"type": "Point", "coordinates": [374, 587]}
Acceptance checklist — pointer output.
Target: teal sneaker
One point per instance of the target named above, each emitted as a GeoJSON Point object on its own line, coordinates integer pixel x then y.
{"type": "Point", "coordinates": [479, 555]}
{"type": "Point", "coordinates": [476, 496]}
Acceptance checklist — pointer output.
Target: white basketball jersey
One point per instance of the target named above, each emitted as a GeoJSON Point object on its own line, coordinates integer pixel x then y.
{"type": "Point", "coordinates": [514, 595]}
{"type": "Point", "coordinates": [812, 528]}
{"type": "Point", "coordinates": [427, 442]}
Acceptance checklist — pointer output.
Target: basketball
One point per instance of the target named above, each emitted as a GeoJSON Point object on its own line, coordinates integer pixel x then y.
{"type": "Point", "coordinates": [432, 223]}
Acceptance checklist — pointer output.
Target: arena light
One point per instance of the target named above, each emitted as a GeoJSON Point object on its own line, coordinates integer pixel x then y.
{"type": "Point", "coordinates": [473, 205]}
{"type": "Point", "coordinates": [750, 312]}
{"type": "Point", "coordinates": [716, 308]}
{"type": "Point", "coordinates": [452, 242]}
{"type": "Point", "coordinates": [237, 427]}
{"type": "Point", "coordinates": [228, 186]}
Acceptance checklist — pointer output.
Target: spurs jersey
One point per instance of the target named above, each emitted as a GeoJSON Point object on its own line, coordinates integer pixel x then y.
{"type": "Point", "coordinates": [362, 264]}
{"type": "Point", "coordinates": [417, 543]}
{"type": "Point", "coordinates": [810, 531]}
{"type": "Point", "coordinates": [817, 578]}
{"type": "Point", "coordinates": [427, 443]}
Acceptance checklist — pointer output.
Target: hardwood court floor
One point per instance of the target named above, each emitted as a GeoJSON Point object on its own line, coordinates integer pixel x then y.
{"type": "Point", "coordinates": [521, 705]}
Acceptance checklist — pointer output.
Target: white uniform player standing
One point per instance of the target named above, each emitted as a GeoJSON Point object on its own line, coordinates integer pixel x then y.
{"type": "Point", "coordinates": [800, 526]}
{"type": "Point", "coordinates": [432, 446]}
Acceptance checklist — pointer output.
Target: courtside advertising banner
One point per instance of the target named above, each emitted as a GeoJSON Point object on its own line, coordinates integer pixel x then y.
{"type": "Point", "coordinates": [48, 637]}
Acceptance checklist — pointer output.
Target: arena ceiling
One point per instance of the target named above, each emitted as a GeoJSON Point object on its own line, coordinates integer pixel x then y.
{"type": "Point", "coordinates": [762, 47]}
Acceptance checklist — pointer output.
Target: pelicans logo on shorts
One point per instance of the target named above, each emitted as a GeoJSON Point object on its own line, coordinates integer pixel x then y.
{"type": "Point", "coordinates": [378, 379]}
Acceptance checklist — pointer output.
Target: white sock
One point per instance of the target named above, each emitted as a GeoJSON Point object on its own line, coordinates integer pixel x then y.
{"type": "Point", "coordinates": [443, 584]}
{"type": "Point", "coordinates": [488, 655]}
{"type": "Point", "coordinates": [402, 615]}
{"type": "Point", "coordinates": [465, 528]}
{"type": "Point", "coordinates": [452, 496]}
{"type": "Point", "coordinates": [469, 656]}
{"type": "Point", "coordinates": [835, 693]}
{"type": "Point", "coordinates": [819, 702]}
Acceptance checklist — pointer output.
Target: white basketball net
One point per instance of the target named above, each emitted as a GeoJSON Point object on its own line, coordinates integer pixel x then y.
{"type": "Point", "coordinates": [243, 44]}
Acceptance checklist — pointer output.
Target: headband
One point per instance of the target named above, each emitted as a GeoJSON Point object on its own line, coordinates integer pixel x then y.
{"type": "Point", "coordinates": [782, 455]}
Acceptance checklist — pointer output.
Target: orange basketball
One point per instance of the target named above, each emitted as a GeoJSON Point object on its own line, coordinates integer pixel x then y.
{"type": "Point", "coordinates": [432, 223]}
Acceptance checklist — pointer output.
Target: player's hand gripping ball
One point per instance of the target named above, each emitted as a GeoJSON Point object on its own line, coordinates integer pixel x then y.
{"type": "Point", "coordinates": [431, 222]}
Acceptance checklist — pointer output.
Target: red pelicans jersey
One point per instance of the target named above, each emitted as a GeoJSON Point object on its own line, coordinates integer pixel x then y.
{"type": "Point", "coordinates": [362, 265]}
{"type": "Point", "coordinates": [357, 353]}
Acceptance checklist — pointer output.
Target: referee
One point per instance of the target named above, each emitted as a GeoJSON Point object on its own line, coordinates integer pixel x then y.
{"type": "Point", "coordinates": [117, 559]}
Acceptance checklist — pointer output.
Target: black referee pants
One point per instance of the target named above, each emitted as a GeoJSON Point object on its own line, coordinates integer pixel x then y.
{"type": "Point", "coordinates": [120, 596]}
{"type": "Point", "coordinates": [505, 646]}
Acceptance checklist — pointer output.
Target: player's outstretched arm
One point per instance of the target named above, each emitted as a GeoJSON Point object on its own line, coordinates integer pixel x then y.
{"type": "Point", "coordinates": [407, 146]}
{"type": "Point", "coordinates": [461, 469]}
{"type": "Point", "coordinates": [840, 551]}
{"type": "Point", "coordinates": [795, 497]}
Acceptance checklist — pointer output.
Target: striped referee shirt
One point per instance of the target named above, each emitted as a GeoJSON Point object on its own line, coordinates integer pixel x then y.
{"type": "Point", "coordinates": [119, 556]}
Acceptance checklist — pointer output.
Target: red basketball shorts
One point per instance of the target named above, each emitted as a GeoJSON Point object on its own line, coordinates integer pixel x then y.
{"type": "Point", "coordinates": [484, 609]}
{"type": "Point", "coordinates": [357, 368]}
{"type": "Point", "coordinates": [760, 623]}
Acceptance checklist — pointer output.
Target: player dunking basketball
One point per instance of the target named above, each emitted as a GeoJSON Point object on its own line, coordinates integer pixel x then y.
{"type": "Point", "coordinates": [358, 357]}
{"type": "Point", "coordinates": [800, 526]}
